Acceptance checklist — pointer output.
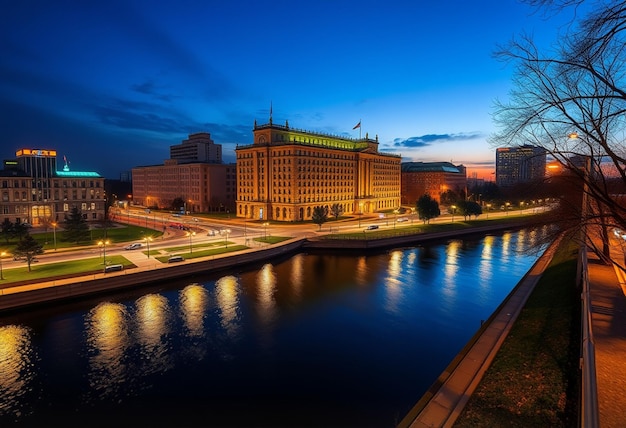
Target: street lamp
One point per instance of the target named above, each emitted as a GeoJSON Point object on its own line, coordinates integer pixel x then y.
{"type": "Point", "coordinates": [453, 210]}
{"type": "Point", "coordinates": [506, 208]}
{"type": "Point", "coordinates": [148, 239]}
{"type": "Point", "coordinates": [225, 233]}
{"type": "Point", "coordinates": [488, 208]}
{"type": "Point", "coordinates": [103, 244]}
{"type": "Point", "coordinates": [1, 274]}
{"type": "Point", "coordinates": [190, 234]}
{"type": "Point", "coordinates": [265, 229]}
{"type": "Point", "coordinates": [54, 234]}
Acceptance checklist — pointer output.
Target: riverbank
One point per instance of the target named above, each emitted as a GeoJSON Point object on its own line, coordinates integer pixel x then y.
{"type": "Point", "coordinates": [44, 292]}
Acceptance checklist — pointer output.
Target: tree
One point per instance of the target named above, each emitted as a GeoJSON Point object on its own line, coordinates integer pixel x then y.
{"type": "Point", "coordinates": [6, 228]}
{"type": "Point", "coordinates": [320, 215]}
{"type": "Point", "coordinates": [427, 208]}
{"type": "Point", "coordinates": [572, 102]}
{"type": "Point", "coordinates": [178, 204]}
{"type": "Point", "coordinates": [20, 230]}
{"type": "Point", "coordinates": [28, 248]}
{"type": "Point", "coordinates": [336, 210]}
{"type": "Point", "coordinates": [469, 208]}
{"type": "Point", "coordinates": [76, 228]}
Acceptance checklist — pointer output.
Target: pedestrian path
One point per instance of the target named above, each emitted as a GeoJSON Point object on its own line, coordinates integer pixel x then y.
{"type": "Point", "coordinates": [608, 307]}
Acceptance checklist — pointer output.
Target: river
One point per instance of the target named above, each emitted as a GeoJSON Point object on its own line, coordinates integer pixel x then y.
{"type": "Point", "coordinates": [314, 340]}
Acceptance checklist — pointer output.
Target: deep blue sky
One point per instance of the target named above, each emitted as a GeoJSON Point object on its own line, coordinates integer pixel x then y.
{"type": "Point", "coordinates": [111, 85]}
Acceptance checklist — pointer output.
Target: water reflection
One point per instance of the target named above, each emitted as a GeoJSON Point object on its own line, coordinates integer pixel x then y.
{"type": "Point", "coordinates": [361, 271]}
{"type": "Point", "coordinates": [228, 304]}
{"type": "Point", "coordinates": [297, 272]}
{"type": "Point", "coordinates": [152, 314]}
{"type": "Point", "coordinates": [485, 268]}
{"type": "Point", "coordinates": [451, 267]}
{"type": "Point", "coordinates": [393, 282]}
{"type": "Point", "coordinates": [16, 369]}
{"type": "Point", "coordinates": [266, 307]}
{"type": "Point", "coordinates": [107, 339]}
{"type": "Point", "coordinates": [194, 300]}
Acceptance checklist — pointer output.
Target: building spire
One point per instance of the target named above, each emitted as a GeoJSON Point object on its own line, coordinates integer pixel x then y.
{"type": "Point", "coordinates": [270, 112]}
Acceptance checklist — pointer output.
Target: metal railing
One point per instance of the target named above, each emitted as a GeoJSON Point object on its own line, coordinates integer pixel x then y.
{"type": "Point", "coordinates": [588, 417]}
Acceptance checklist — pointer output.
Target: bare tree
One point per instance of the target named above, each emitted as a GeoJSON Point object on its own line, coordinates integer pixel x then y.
{"type": "Point", "coordinates": [572, 102]}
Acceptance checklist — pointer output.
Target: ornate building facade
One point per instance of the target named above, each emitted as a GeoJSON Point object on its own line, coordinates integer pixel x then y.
{"type": "Point", "coordinates": [33, 191]}
{"type": "Point", "coordinates": [287, 172]}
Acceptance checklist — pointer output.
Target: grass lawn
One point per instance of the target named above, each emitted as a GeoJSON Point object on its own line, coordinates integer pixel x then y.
{"type": "Point", "coordinates": [533, 380]}
{"type": "Point", "coordinates": [61, 269]}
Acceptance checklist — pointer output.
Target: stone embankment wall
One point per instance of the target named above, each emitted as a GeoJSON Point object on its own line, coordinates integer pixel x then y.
{"type": "Point", "coordinates": [73, 288]}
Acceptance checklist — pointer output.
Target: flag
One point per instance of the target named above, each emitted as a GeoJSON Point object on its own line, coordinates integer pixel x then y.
{"type": "Point", "coordinates": [358, 125]}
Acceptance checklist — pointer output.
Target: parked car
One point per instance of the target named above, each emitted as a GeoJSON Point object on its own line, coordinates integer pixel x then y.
{"type": "Point", "coordinates": [175, 259]}
{"type": "Point", "coordinates": [113, 268]}
{"type": "Point", "coordinates": [402, 219]}
{"type": "Point", "coordinates": [133, 246]}
{"type": "Point", "coordinates": [372, 227]}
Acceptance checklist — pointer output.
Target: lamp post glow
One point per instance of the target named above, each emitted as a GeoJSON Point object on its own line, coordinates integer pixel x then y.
{"type": "Point", "coordinates": [1, 274]}
{"type": "Point", "coordinates": [148, 239]}
{"type": "Point", "coordinates": [54, 234]}
{"type": "Point", "coordinates": [453, 210]}
{"type": "Point", "coordinates": [265, 230]}
{"type": "Point", "coordinates": [103, 244]}
{"type": "Point", "coordinates": [506, 208]}
{"type": "Point", "coordinates": [190, 234]}
{"type": "Point", "coordinates": [225, 233]}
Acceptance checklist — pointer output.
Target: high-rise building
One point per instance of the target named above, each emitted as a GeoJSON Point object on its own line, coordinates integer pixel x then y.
{"type": "Point", "coordinates": [34, 192]}
{"type": "Point", "coordinates": [287, 172]}
{"type": "Point", "coordinates": [198, 147]}
{"type": "Point", "coordinates": [520, 165]}
{"type": "Point", "coordinates": [431, 178]}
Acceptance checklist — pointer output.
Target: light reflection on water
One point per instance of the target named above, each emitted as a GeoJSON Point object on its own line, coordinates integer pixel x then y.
{"type": "Point", "coordinates": [378, 327]}
{"type": "Point", "coordinates": [17, 369]}
{"type": "Point", "coordinates": [108, 339]}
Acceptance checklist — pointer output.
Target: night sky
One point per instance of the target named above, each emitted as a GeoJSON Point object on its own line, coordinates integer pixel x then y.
{"type": "Point", "coordinates": [111, 85]}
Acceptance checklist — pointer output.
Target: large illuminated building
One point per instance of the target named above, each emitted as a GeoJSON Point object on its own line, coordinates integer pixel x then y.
{"type": "Point", "coordinates": [431, 178]}
{"type": "Point", "coordinates": [35, 192]}
{"type": "Point", "coordinates": [194, 173]}
{"type": "Point", "coordinates": [523, 164]}
{"type": "Point", "coordinates": [287, 172]}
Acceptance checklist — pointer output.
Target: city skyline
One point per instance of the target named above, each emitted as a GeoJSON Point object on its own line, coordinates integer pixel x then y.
{"type": "Point", "coordinates": [112, 86]}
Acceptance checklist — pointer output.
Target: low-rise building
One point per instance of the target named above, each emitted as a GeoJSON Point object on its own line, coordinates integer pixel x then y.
{"type": "Point", "coordinates": [431, 178]}
{"type": "Point", "coordinates": [33, 191]}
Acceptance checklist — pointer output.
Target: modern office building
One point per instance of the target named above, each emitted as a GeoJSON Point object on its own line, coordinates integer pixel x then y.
{"type": "Point", "coordinates": [197, 148]}
{"type": "Point", "coordinates": [287, 172]}
{"type": "Point", "coordinates": [520, 164]}
{"type": "Point", "coordinates": [204, 187]}
{"type": "Point", "coordinates": [35, 192]}
{"type": "Point", "coordinates": [431, 178]}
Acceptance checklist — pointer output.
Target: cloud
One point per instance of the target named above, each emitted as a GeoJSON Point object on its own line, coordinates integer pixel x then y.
{"type": "Point", "coordinates": [431, 139]}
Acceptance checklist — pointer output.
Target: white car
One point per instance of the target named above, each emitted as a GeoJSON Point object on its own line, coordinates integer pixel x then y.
{"type": "Point", "coordinates": [402, 219]}
{"type": "Point", "coordinates": [133, 246]}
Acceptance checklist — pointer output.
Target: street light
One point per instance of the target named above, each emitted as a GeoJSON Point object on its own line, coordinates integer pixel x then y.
{"type": "Point", "coordinates": [190, 234]}
{"type": "Point", "coordinates": [506, 208]}
{"type": "Point", "coordinates": [225, 233]}
{"type": "Point", "coordinates": [265, 229]}
{"type": "Point", "coordinates": [1, 274]}
{"type": "Point", "coordinates": [103, 244]}
{"type": "Point", "coordinates": [54, 234]}
{"type": "Point", "coordinates": [148, 239]}
{"type": "Point", "coordinates": [453, 210]}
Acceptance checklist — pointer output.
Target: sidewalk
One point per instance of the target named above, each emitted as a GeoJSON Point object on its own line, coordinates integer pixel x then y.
{"type": "Point", "coordinates": [608, 307]}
